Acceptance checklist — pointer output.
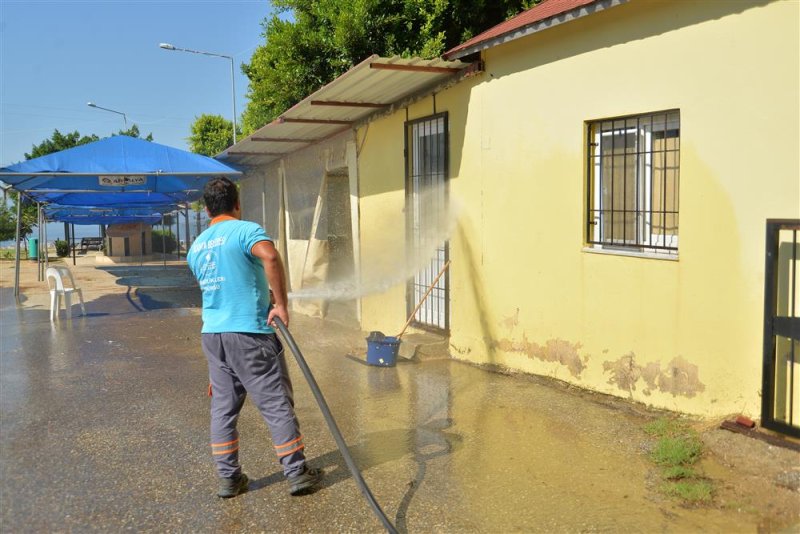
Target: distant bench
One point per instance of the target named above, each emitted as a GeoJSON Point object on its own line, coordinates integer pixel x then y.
{"type": "Point", "coordinates": [91, 243]}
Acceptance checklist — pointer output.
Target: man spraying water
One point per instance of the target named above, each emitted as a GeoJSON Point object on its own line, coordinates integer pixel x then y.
{"type": "Point", "coordinates": [232, 261]}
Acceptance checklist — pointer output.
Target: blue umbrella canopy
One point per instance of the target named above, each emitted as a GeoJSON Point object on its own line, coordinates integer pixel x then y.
{"type": "Point", "coordinates": [100, 215]}
{"type": "Point", "coordinates": [115, 171]}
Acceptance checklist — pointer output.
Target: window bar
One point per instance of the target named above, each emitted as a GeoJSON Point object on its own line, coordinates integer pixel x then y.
{"type": "Point", "coordinates": [427, 208]}
{"type": "Point", "coordinates": [612, 180]}
{"type": "Point", "coordinates": [426, 158]}
{"type": "Point", "coordinates": [597, 177]}
{"type": "Point", "coordinates": [640, 224]}
{"type": "Point", "coordinates": [590, 184]}
{"type": "Point", "coordinates": [434, 207]}
{"type": "Point", "coordinates": [664, 174]}
{"type": "Point", "coordinates": [425, 155]}
{"type": "Point", "coordinates": [660, 189]}
{"type": "Point", "coordinates": [649, 149]}
{"type": "Point", "coordinates": [437, 206]}
{"type": "Point", "coordinates": [438, 216]}
{"type": "Point", "coordinates": [792, 295]}
{"type": "Point", "coordinates": [601, 216]}
{"type": "Point", "coordinates": [625, 213]}
{"type": "Point", "coordinates": [420, 209]}
{"type": "Point", "coordinates": [676, 186]}
{"type": "Point", "coordinates": [648, 173]}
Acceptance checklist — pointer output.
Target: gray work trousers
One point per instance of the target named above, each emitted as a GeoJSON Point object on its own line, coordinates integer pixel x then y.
{"type": "Point", "coordinates": [240, 364]}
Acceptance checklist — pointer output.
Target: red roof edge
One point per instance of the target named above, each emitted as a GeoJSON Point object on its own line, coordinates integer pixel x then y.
{"type": "Point", "coordinates": [545, 10]}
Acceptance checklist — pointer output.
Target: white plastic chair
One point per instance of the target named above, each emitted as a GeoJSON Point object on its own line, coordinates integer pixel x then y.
{"type": "Point", "coordinates": [56, 276]}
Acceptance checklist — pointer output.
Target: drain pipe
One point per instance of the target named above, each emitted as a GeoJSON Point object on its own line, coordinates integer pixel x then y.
{"type": "Point", "coordinates": [337, 435]}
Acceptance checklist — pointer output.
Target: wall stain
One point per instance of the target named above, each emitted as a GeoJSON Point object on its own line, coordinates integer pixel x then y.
{"type": "Point", "coordinates": [460, 350]}
{"type": "Point", "coordinates": [511, 321]}
{"type": "Point", "coordinates": [624, 372]}
{"type": "Point", "coordinates": [680, 378]}
{"type": "Point", "coordinates": [554, 350]}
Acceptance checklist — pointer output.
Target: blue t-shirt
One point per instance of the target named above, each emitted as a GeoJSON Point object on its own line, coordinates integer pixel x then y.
{"type": "Point", "coordinates": [234, 286]}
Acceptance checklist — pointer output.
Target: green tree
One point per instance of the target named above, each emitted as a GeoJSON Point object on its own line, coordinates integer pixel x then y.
{"type": "Point", "coordinates": [8, 223]}
{"type": "Point", "coordinates": [58, 142]}
{"type": "Point", "coordinates": [8, 216]}
{"type": "Point", "coordinates": [211, 134]}
{"type": "Point", "coordinates": [328, 37]}
{"type": "Point", "coordinates": [164, 241]}
{"type": "Point", "coordinates": [133, 131]}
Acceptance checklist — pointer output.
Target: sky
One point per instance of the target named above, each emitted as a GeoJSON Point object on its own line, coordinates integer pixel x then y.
{"type": "Point", "coordinates": [55, 56]}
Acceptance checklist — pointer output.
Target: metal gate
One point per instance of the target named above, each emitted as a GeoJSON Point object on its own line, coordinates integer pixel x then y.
{"type": "Point", "coordinates": [426, 178]}
{"type": "Point", "coordinates": [780, 409]}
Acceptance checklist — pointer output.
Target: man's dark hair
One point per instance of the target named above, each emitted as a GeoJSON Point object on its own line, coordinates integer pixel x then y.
{"type": "Point", "coordinates": [220, 195]}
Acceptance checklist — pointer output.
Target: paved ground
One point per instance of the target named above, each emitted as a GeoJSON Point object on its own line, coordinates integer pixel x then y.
{"type": "Point", "coordinates": [103, 427]}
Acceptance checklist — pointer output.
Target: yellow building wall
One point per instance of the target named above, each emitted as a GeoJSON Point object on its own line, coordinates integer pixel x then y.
{"type": "Point", "coordinates": [681, 334]}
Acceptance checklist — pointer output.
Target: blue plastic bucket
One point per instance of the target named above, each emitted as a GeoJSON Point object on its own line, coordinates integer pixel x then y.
{"type": "Point", "coordinates": [382, 350]}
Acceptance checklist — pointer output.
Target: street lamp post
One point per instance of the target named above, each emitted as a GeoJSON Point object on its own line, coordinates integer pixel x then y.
{"type": "Point", "coordinates": [167, 46]}
{"type": "Point", "coordinates": [124, 118]}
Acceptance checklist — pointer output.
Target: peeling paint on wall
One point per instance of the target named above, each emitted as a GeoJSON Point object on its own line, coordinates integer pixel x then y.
{"type": "Point", "coordinates": [511, 321]}
{"type": "Point", "coordinates": [624, 372]}
{"type": "Point", "coordinates": [680, 378]}
{"type": "Point", "coordinates": [554, 350]}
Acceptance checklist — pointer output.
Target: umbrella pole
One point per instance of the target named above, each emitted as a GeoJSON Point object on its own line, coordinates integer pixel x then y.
{"type": "Point", "coordinates": [39, 276]}
{"type": "Point", "coordinates": [46, 255]}
{"type": "Point", "coordinates": [72, 246]}
{"type": "Point", "coordinates": [163, 242]}
{"type": "Point", "coordinates": [19, 229]}
{"type": "Point", "coordinates": [186, 230]}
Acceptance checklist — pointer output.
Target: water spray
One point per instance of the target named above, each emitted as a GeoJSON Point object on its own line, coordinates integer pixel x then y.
{"type": "Point", "coordinates": [388, 268]}
{"type": "Point", "coordinates": [334, 428]}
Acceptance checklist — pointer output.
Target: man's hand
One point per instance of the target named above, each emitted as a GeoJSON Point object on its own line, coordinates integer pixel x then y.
{"type": "Point", "coordinates": [278, 311]}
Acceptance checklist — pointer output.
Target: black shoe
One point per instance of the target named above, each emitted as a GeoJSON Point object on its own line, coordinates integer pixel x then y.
{"type": "Point", "coordinates": [303, 483]}
{"type": "Point", "coordinates": [231, 487]}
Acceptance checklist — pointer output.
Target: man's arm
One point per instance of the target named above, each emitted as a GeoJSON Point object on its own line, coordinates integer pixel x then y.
{"type": "Point", "coordinates": [273, 268]}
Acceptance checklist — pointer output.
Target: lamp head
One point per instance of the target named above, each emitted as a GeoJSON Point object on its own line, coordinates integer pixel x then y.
{"type": "Point", "coordinates": [166, 46]}
{"type": "Point", "coordinates": [91, 104]}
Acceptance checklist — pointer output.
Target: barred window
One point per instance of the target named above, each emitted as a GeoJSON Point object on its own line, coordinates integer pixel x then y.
{"type": "Point", "coordinates": [633, 183]}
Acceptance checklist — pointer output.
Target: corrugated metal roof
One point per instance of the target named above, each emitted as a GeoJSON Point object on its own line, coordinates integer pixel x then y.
{"type": "Point", "coordinates": [371, 86]}
{"type": "Point", "coordinates": [545, 15]}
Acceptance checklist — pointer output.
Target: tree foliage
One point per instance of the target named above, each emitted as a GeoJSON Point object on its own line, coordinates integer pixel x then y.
{"type": "Point", "coordinates": [211, 134]}
{"type": "Point", "coordinates": [8, 218]}
{"type": "Point", "coordinates": [58, 142]}
{"type": "Point", "coordinates": [8, 223]}
{"type": "Point", "coordinates": [328, 37]}
{"type": "Point", "coordinates": [164, 241]}
{"type": "Point", "coordinates": [133, 131]}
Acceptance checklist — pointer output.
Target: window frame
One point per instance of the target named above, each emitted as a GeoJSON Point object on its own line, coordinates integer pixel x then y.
{"type": "Point", "coordinates": [646, 241]}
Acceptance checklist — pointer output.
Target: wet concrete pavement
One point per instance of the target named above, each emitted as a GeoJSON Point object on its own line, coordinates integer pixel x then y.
{"type": "Point", "coordinates": [105, 422]}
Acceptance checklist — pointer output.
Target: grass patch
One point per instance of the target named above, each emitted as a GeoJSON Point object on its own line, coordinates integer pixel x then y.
{"type": "Point", "coordinates": [678, 472]}
{"type": "Point", "coordinates": [10, 254]}
{"type": "Point", "coordinates": [690, 490]}
{"type": "Point", "coordinates": [677, 449]}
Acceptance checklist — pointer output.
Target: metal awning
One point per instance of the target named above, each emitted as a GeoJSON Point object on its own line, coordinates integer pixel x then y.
{"type": "Point", "coordinates": [373, 85]}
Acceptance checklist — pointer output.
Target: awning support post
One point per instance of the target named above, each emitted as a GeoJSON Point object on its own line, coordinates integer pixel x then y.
{"type": "Point", "coordinates": [163, 242]}
{"type": "Point", "coordinates": [19, 229]}
{"type": "Point", "coordinates": [186, 220]}
{"type": "Point", "coordinates": [72, 235]}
